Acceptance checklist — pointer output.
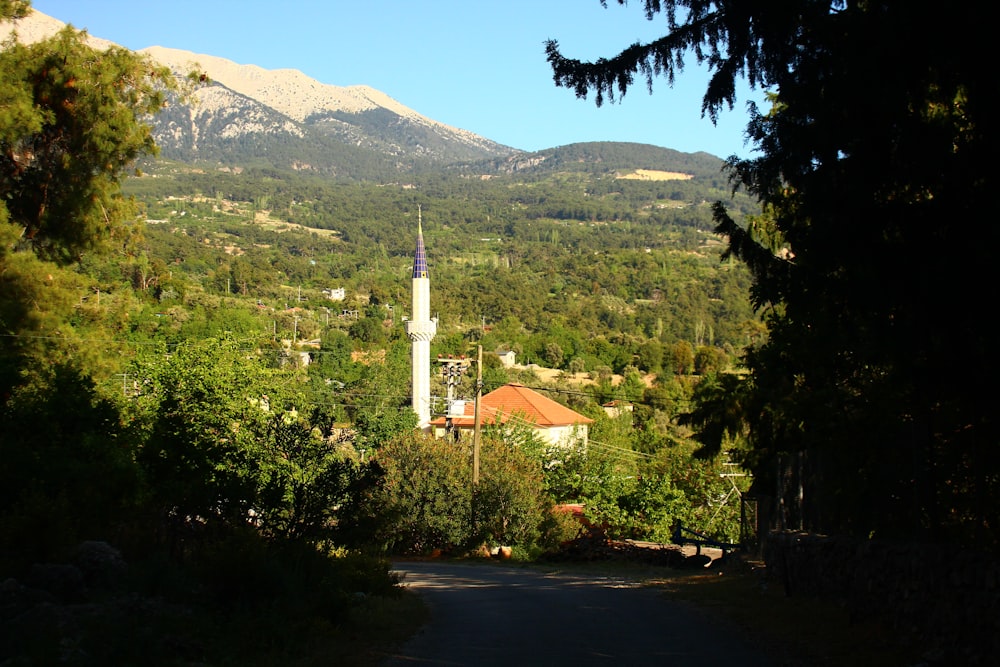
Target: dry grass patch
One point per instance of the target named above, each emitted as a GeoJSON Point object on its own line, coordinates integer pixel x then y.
{"type": "Point", "coordinates": [656, 175]}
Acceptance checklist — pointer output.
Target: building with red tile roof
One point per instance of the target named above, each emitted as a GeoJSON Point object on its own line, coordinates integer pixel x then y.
{"type": "Point", "coordinates": [553, 422]}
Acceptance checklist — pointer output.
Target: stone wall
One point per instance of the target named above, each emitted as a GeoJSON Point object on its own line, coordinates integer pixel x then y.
{"type": "Point", "coordinates": [944, 600]}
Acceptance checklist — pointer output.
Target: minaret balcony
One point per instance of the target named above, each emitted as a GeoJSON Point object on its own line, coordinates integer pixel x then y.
{"type": "Point", "coordinates": [417, 330]}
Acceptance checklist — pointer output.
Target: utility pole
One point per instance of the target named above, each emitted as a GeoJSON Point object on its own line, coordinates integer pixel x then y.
{"type": "Point", "coordinates": [477, 428]}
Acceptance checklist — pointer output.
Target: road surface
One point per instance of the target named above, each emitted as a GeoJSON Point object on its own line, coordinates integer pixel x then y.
{"type": "Point", "coordinates": [483, 615]}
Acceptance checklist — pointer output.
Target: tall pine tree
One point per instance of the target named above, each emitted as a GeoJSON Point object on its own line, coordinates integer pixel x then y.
{"type": "Point", "coordinates": [873, 259]}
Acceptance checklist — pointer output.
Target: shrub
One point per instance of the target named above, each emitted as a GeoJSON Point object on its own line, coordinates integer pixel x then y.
{"type": "Point", "coordinates": [423, 498]}
{"type": "Point", "coordinates": [509, 503]}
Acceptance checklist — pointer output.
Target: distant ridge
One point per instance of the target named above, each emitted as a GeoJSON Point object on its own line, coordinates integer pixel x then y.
{"type": "Point", "coordinates": [38, 26]}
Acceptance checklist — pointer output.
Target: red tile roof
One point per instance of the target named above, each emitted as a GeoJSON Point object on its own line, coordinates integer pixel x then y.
{"type": "Point", "coordinates": [519, 402]}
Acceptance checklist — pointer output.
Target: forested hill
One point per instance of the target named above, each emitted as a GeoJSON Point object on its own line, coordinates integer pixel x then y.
{"type": "Point", "coordinates": [607, 156]}
{"type": "Point", "coordinates": [593, 253]}
{"type": "Point", "coordinates": [580, 255]}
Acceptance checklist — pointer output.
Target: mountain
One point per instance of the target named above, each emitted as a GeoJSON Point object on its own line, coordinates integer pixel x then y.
{"type": "Point", "coordinates": [250, 116]}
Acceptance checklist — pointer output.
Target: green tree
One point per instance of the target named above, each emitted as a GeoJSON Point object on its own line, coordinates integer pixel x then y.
{"type": "Point", "coordinates": [872, 186]}
{"type": "Point", "coordinates": [650, 507]}
{"type": "Point", "coordinates": [377, 427]}
{"type": "Point", "coordinates": [650, 356]}
{"type": "Point", "coordinates": [708, 359]}
{"type": "Point", "coordinates": [72, 122]}
{"type": "Point", "coordinates": [632, 385]}
{"type": "Point", "coordinates": [553, 355]}
{"type": "Point", "coordinates": [423, 497]}
{"type": "Point", "coordinates": [719, 415]}
{"type": "Point", "coordinates": [303, 481]}
{"type": "Point", "coordinates": [59, 436]}
{"type": "Point", "coordinates": [222, 439]}
{"type": "Point", "coordinates": [565, 469]}
{"type": "Point", "coordinates": [494, 374]}
{"type": "Point", "coordinates": [509, 501]}
{"type": "Point", "coordinates": [679, 358]}
{"type": "Point", "coordinates": [14, 9]}
{"type": "Point", "coordinates": [711, 489]}
{"type": "Point", "coordinates": [199, 455]}
{"type": "Point", "coordinates": [368, 330]}
{"type": "Point", "coordinates": [668, 397]}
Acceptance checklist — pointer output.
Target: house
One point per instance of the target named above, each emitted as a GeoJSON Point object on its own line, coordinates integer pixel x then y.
{"type": "Point", "coordinates": [335, 293]}
{"type": "Point", "coordinates": [553, 422]}
{"type": "Point", "coordinates": [507, 358]}
{"type": "Point", "coordinates": [616, 408]}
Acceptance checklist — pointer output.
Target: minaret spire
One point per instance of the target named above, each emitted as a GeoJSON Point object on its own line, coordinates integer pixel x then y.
{"type": "Point", "coordinates": [421, 329]}
{"type": "Point", "coordinates": [420, 259]}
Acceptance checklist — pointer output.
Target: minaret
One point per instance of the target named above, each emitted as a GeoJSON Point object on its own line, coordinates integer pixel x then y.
{"type": "Point", "coordinates": [421, 329]}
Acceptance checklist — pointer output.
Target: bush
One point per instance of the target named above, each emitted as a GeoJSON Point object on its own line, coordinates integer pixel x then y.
{"type": "Point", "coordinates": [509, 502]}
{"type": "Point", "coordinates": [558, 527]}
{"type": "Point", "coordinates": [423, 498]}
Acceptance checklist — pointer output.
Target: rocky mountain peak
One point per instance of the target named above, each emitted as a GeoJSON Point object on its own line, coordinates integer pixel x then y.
{"type": "Point", "coordinates": [286, 90]}
{"type": "Point", "coordinates": [284, 117]}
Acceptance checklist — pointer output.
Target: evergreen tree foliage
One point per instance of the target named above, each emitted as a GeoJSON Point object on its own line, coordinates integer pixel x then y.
{"type": "Point", "coordinates": [872, 172]}
{"type": "Point", "coordinates": [72, 123]}
{"type": "Point", "coordinates": [67, 470]}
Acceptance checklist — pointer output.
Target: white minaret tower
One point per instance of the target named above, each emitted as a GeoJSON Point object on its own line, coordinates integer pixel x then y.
{"type": "Point", "coordinates": [421, 329]}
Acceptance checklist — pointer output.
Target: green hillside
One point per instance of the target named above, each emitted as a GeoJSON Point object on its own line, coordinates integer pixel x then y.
{"type": "Point", "coordinates": [574, 246]}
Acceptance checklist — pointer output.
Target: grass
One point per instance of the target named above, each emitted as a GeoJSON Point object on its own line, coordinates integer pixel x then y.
{"type": "Point", "coordinates": [376, 628]}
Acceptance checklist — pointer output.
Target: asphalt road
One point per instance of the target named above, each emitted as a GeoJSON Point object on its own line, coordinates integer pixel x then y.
{"type": "Point", "coordinates": [487, 615]}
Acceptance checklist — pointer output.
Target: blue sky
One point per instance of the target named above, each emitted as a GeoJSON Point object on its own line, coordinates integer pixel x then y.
{"type": "Point", "coordinates": [474, 64]}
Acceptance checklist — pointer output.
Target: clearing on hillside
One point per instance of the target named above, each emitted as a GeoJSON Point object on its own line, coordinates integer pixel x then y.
{"type": "Point", "coordinates": [656, 175]}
